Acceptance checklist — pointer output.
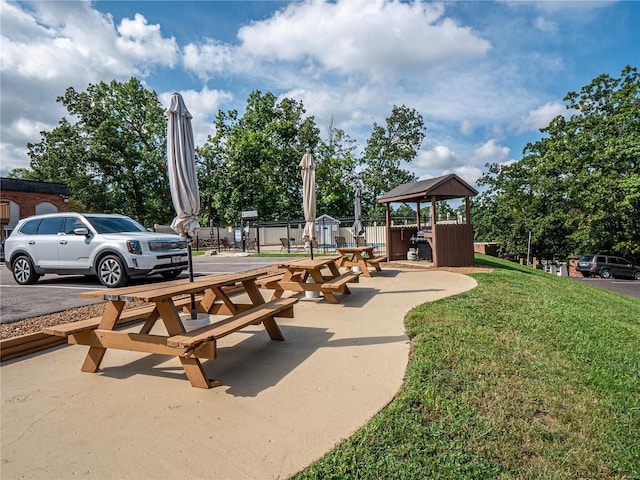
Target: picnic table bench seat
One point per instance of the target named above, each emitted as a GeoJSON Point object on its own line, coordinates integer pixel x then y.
{"type": "Point", "coordinates": [338, 283]}
{"type": "Point", "coordinates": [128, 317]}
{"type": "Point", "coordinates": [280, 307]}
{"type": "Point", "coordinates": [269, 281]}
{"type": "Point", "coordinates": [373, 261]}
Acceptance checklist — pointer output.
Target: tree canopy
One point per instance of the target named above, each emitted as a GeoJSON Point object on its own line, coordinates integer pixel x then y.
{"type": "Point", "coordinates": [111, 155]}
{"type": "Point", "coordinates": [386, 148]}
{"type": "Point", "coordinates": [578, 188]}
{"type": "Point", "coordinates": [252, 161]}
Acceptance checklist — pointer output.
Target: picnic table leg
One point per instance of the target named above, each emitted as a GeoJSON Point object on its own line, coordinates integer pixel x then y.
{"type": "Point", "coordinates": [269, 323]}
{"type": "Point", "coordinates": [151, 321]}
{"type": "Point", "coordinates": [378, 268]}
{"type": "Point", "coordinates": [278, 290]}
{"type": "Point", "coordinates": [318, 278]}
{"type": "Point", "coordinates": [109, 321]}
{"type": "Point", "coordinates": [334, 269]}
{"type": "Point", "coordinates": [226, 300]}
{"type": "Point", "coordinates": [208, 299]}
{"type": "Point", "coordinates": [363, 265]}
{"type": "Point", "coordinates": [192, 366]}
{"type": "Point", "coordinates": [335, 272]}
{"type": "Point", "coordinates": [196, 374]}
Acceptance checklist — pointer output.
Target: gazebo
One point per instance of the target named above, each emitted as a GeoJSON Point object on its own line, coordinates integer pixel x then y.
{"type": "Point", "coordinates": [451, 242]}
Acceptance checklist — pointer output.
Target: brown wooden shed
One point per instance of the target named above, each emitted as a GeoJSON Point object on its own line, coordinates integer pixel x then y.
{"type": "Point", "coordinates": [451, 244]}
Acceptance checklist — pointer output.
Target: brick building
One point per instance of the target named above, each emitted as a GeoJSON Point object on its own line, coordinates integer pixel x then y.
{"type": "Point", "coordinates": [23, 198]}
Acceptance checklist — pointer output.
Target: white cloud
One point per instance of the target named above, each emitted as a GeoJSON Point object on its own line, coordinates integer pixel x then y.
{"type": "Point", "coordinates": [144, 43]}
{"type": "Point", "coordinates": [490, 152]}
{"type": "Point", "coordinates": [374, 38]}
{"type": "Point", "coordinates": [468, 173]}
{"type": "Point", "coordinates": [210, 57]}
{"type": "Point", "coordinates": [545, 25]}
{"type": "Point", "coordinates": [439, 157]}
{"type": "Point", "coordinates": [466, 127]}
{"type": "Point", "coordinates": [541, 116]}
{"type": "Point", "coordinates": [567, 5]}
{"type": "Point", "coordinates": [50, 46]}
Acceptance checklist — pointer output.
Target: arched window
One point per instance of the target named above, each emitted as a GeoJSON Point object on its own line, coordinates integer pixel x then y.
{"type": "Point", "coordinates": [46, 207]}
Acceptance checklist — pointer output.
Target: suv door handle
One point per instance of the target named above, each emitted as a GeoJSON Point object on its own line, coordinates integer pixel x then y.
{"type": "Point", "coordinates": [62, 242]}
{"type": "Point", "coordinates": [31, 242]}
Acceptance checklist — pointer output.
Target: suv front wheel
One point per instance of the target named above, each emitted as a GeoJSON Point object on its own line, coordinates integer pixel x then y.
{"type": "Point", "coordinates": [23, 271]}
{"type": "Point", "coordinates": [111, 271]}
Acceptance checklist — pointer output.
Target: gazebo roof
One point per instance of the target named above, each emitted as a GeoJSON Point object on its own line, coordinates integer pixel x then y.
{"type": "Point", "coordinates": [446, 187]}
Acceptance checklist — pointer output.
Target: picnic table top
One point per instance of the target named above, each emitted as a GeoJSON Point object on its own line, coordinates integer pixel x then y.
{"type": "Point", "coordinates": [308, 262]}
{"type": "Point", "coordinates": [360, 249]}
{"type": "Point", "coordinates": [159, 291]}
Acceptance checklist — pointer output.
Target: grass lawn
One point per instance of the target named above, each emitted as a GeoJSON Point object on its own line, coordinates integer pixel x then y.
{"type": "Point", "coordinates": [528, 375]}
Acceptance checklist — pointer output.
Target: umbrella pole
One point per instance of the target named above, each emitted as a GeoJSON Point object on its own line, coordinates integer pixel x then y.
{"type": "Point", "coordinates": [194, 313]}
{"type": "Point", "coordinates": [311, 248]}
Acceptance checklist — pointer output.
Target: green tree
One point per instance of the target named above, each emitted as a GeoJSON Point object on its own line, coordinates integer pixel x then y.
{"type": "Point", "coordinates": [577, 188]}
{"type": "Point", "coordinates": [252, 161]}
{"type": "Point", "coordinates": [336, 176]}
{"type": "Point", "coordinates": [113, 157]}
{"type": "Point", "coordinates": [386, 149]}
{"type": "Point", "coordinates": [404, 211]}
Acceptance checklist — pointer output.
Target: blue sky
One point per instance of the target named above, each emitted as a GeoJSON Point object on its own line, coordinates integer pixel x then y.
{"type": "Point", "coordinates": [484, 75]}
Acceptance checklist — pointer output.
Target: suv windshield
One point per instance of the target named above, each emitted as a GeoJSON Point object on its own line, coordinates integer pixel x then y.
{"type": "Point", "coordinates": [115, 224]}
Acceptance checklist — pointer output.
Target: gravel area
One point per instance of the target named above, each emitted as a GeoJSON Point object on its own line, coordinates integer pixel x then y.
{"type": "Point", "coordinates": [36, 324]}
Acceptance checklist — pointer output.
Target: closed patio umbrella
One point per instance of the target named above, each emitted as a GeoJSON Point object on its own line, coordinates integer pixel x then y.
{"type": "Point", "coordinates": [357, 228]}
{"type": "Point", "coordinates": [183, 181]}
{"type": "Point", "coordinates": [308, 170]}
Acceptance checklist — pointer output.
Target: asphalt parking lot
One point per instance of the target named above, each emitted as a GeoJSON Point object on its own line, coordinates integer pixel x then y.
{"type": "Point", "coordinates": [626, 287]}
{"type": "Point", "coordinates": [55, 293]}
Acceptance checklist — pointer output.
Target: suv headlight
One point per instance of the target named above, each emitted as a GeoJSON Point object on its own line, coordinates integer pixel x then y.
{"type": "Point", "coordinates": [134, 247]}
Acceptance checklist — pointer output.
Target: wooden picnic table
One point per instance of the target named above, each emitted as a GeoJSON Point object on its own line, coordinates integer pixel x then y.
{"type": "Point", "coordinates": [362, 257]}
{"type": "Point", "coordinates": [214, 296]}
{"type": "Point", "coordinates": [324, 272]}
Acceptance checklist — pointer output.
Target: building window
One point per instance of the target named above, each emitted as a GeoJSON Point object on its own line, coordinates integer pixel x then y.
{"type": "Point", "coordinates": [46, 207]}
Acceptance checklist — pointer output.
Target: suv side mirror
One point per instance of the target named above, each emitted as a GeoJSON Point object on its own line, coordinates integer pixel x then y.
{"type": "Point", "coordinates": [81, 231]}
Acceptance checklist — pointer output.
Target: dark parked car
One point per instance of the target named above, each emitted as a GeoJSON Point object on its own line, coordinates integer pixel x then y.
{"type": "Point", "coordinates": [607, 266]}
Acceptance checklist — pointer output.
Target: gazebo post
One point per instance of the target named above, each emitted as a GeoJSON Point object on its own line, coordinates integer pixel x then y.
{"type": "Point", "coordinates": [418, 215]}
{"type": "Point", "coordinates": [434, 247]}
{"type": "Point", "coordinates": [388, 218]}
{"type": "Point", "coordinates": [467, 209]}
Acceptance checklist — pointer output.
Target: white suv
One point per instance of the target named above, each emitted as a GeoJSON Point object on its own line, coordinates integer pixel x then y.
{"type": "Point", "coordinates": [113, 247]}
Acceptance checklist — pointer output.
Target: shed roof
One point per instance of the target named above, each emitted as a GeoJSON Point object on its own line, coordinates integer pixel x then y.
{"type": "Point", "coordinates": [446, 187]}
{"type": "Point", "coordinates": [324, 218]}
